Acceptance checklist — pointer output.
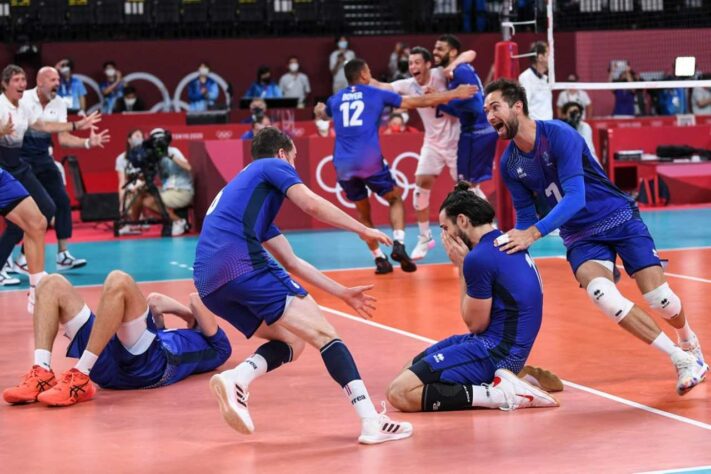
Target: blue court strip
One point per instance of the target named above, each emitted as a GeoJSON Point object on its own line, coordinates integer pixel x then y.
{"type": "Point", "coordinates": [167, 259]}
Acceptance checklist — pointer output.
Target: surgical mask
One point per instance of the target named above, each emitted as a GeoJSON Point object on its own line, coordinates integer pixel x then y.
{"type": "Point", "coordinates": [130, 102]}
{"type": "Point", "coordinates": [203, 71]}
{"type": "Point", "coordinates": [322, 124]}
{"type": "Point", "coordinates": [135, 141]}
{"type": "Point", "coordinates": [293, 67]}
{"type": "Point", "coordinates": [65, 70]}
{"type": "Point", "coordinates": [110, 72]}
{"type": "Point", "coordinates": [343, 44]}
{"type": "Point", "coordinates": [405, 117]}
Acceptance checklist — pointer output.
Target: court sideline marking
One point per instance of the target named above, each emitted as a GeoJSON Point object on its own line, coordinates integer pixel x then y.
{"type": "Point", "coordinates": [583, 388]}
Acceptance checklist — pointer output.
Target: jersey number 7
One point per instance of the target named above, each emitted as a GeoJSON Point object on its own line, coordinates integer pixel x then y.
{"type": "Point", "coordinates": [351, 113]}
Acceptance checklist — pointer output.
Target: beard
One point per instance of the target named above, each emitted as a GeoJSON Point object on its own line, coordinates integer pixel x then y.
{"type": "Point", "coordinates": [511, 128]}
{"type": "Point", "coordinates": [465, 239]}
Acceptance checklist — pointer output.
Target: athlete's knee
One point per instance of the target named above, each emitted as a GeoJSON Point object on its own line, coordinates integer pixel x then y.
{"type": "Point", "coordinates": [608, 298]}
{"type": "Point", "coordinates": [401, 397]}
{"type": "Point", "coordinates": [663, 300]}
{"type": "Point", "coordinates": [118, 281]}
{"type": "Point", "coordinates": [36, 226]}
{"type": "Point", "coordinates": [53, 283]}
{"type": "Point", "coordinates": [421, 198]}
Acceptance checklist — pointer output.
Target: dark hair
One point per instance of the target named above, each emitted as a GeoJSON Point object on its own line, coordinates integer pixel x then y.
{"type": "Point", "coordinates": [109, 63]}
{"type": "Point", "coordinates": [424, 52]}
{"type": "Point", "coordinates": [569, 105]}
{"type": "Point", "coordinates": [338, 38]}
{"type": "Point", "coordinates": [268, 141]}
{"type": "Point", "coordinates": [293, 56]}
{"type": "Point", "coordinates": [129, 90]}
{"type": "Point", "coordinates": [353, 69]}
{"type": "Point", "coordinates": [452, 41]}
{"type": "Point", "coordinates": [396, 115]}
{"type": "Point", "coordinates": [9, 72]}
{"type": "Point", "coordinates": [538, 47]}
{"type": "Point", "coordinates": [463, 201]}
{"type": "Point", "coordinates": [262, 70]}
{"type": "Point", "coordinates": [511, 92]}
{"type": "Point", "coordinates": [130, 134]}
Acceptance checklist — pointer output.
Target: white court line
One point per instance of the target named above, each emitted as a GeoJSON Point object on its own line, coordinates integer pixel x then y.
{"type": "Point", "coordinates": [583, 388]}
{"type": "Point", "coordinates": [674, 471]}
{"type": "Point", "coordinates": [678, 275]}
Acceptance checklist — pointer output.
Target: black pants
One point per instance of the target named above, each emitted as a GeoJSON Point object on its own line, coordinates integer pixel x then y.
{"type": "Point", "coordinates": [51, 179]}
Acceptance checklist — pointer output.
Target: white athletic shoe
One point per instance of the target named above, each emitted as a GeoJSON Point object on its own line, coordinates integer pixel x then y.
{"type": "Point", "coordinates": [690, 371]}
{"type": "Point", "coordinates": [66, 261]}
{"type": "Point", "coordinates": [178, 227]}
{"type": "Point", "coordinates": [8, 267]}
{"type": "Point", "coordinates": [233, 403]}
{"type": "Point", "coordinates": [425, 243]}
{"type": "Point", "coordinates": [519, 393]}
{"type": "Point", "coordinates": [7, 280]}
{"type": "Point", "coordinates": [381, 429]}
{"type": "Point", "coordinates": [693, 347]}
{"type": "Point", "coordinates": [20, 265]}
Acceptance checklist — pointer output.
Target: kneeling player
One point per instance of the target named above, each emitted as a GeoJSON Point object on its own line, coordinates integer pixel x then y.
{"type": "Point", "coordinates": [501, 304]}
{"type": "Point", "coordinates": [124, 346]}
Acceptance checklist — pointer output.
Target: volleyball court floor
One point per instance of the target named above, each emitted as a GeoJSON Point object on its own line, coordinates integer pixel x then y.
{"type": "Point", "coordinates": [618, 413]}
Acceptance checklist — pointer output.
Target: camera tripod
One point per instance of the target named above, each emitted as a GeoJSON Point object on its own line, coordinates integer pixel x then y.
{"type": "Point", "coordinates": [129, 199]}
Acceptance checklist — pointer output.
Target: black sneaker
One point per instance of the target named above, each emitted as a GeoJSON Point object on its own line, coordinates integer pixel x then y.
{"type": "Point", "coordinates": [382, 266]}
{"type": "Point", "coordinates": [400, 255]}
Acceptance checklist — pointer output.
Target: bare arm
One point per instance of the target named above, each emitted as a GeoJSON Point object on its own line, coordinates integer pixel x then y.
{"type": "Point", "coordinates": [111, 87]}
{"type": "Point", "coordinates": [320, 111]}
{"type": "Point", "coordinates": [280, 248]}
{"type": "Point", "coordinates": [464, 58]}
{"type": "Point", "coordinates": [160, 304]}
{"type": "Point", "coordinates": [181, 161]}
{"type": "Point", "coordinates": [382, 85]}
{"type": "Point", "coordinates": [464, 91]}
{"type": "Point", "coordinates": [57, 127]}
{"type": "Point", "coordinates": [321, 209]}
{"type": "Point", "coordinates": [206, 319]}
{"type": "Point", "coordinates": [67, 140]}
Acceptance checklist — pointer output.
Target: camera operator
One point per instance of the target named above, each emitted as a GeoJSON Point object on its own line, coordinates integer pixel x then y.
{"type": "Point", "coordinates": [573, 116]}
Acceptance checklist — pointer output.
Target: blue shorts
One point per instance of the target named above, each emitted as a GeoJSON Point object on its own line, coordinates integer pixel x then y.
{"type": "Point", "coordinates": [258, 296]}
{"type": "Point", "coordinates": [190, 352]}
{"type": "Point", "coordinates": [475, 155]}
{"type": "Point", "coordinates": [12, 193]}
{"type": "Point", "coordinates": [381, 183]}
{"type": "Point", "coordinates": [462, 359]}
{"type": "Point", "coordinates": [630, 240]}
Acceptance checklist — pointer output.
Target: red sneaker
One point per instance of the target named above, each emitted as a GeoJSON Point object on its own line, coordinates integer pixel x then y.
{"type": "Point", "coordinates": [73, 387]}
{"type": "Point", "coordinates": [35, 382]}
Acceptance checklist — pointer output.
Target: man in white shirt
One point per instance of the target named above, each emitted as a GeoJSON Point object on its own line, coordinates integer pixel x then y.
{"type": "Point", "coordinates": [535, 81]}
{"type": "Point", "coordinates": [337, 60]}
{"type": "Point", "coordinates": [701, 101]}
{"type": "Point", "coordinates": [574, 95]}
{"type": "Point", "coordinates": [294, 83]}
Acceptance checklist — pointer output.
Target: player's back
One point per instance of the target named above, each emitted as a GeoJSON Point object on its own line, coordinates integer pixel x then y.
{"type": "Point", "coordinates": [356, 112]}
{"type": "Point", "coordinates": [239, 219]}
{"type": "Point", "coordinates": [513, 284]}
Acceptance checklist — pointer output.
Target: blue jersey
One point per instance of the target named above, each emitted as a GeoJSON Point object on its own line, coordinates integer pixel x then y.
{"type": "Point", "coordinates": [513, 284]}
{"type": "Point", "coordinates": [356, 112]}
{"type": "Point", "coordinates": [470, 111]}
{"type": "Point", "coordinates": [239, 219]}
{"type": "Point", "coordinates": [559, 154]}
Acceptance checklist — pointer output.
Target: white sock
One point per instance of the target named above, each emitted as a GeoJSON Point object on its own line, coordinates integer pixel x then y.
{"type": "Point", "coordinates": [664, 344]}
{"type": "Point", "coordinates": [377, 253]}
{"type": "Point", "coordinates": [487, 396]}
{"type": "Point", "coordinates": [252, 367]}
{"type": "Point", "coordinates": [424, 228]}
{"type": "Point", "coordinates": [399, 235]}
{"type": "Point", "coordinates": [43, 358]}
{"type": "Point", "coordinates": [36, 277]}
{"type": "Point", "coordinates": [86, 362]}
{"type": "Point", "coordinates": [685, 333]}
{"type": "Point", "coordinates": [358, 396]}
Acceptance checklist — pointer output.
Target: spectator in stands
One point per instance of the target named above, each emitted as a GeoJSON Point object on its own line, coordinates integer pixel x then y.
{"type": "Point", "coordinates": [264, 87]}
{"type": "Point", "coordinates": [701, 99]}
{"type": "Point", "coordinates": [323, 129]}
{"type": "Point", "coordinates": [130, 101]}
{"type": "Point", "coordinates": [257, 106]}
{"type": "Point", "coordinates": [203, 90]}
{"type": "Point", "coordinates": [395, 57]}
{"type": "Point", "coordinates": [71, 89]}
{"type": "Point", "coordinates": [572, 114]}
{"type": "Point", "coordinates": [131, 195]}
{"type": "Point", "coordinates": [259, 121]}
{"type": "Point", "coordinates": [403, 66]}
{"type": "Point", "coordinates": [112, 87]}
{"type": "Point", "coordinates": [396, 125]}
{"type": "Point", "coordinates": [337, 60]}
{"type": "Point", "coordinates": [294, 83]}
{"type": "Point", "coordinates": [624, 98]}
{"type": "Point", "coordinates": [535, 81]}
{"type": "Point", "coordinates": [574, 95]}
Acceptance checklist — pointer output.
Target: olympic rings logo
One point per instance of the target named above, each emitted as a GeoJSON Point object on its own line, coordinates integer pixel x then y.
{"type": "Point", "coordinates": [401, 179]}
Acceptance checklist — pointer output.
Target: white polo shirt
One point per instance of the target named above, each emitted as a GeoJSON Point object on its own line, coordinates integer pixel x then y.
{"type": "Point", "coordinates": [36, 146]}
{"type": "Point", "coordinates": [538, 94]}
{"type": "Point", "coordinates": [23, 117]}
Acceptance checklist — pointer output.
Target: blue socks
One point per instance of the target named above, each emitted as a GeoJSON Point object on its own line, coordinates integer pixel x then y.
{"type": "Point", "coordinates": [339, 362]}
{"type": "Point", "coordinates": [275, 353]}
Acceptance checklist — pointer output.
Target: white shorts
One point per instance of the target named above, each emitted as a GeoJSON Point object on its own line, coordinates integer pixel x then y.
{"type": "Point", "coordinates": [432, 161]}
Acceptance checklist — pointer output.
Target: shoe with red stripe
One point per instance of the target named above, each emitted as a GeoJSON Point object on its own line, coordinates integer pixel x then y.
{"type": "Point", "coordinates": [519, 393]}
{"type": "Point", "coordinates": [381, 429]}
{"type": "Point", "coordinates": [33, 383]}
{"type": "Point", "coordinates": [232, 399]}
{"type": "Point", "coordinates": [74, 387]}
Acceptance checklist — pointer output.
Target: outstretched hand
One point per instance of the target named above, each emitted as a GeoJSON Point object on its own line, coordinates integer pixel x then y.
{"type": "Point", "coordinates": [374, 235]}
{"type": "Point", "coordinates": [89, 121]}
{"type": "Point", "coordinates": [8, 128]}
{"type": "Point", "coordinates": [465, 91]}
{"type": "Point", "coordinates": [320, 111]}
{"type": "Point", "coordinates": [362, 303]}
{"type": "Point", "coordinates": [99, 139]}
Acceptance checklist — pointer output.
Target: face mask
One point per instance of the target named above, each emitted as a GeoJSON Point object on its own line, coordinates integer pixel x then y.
{"type": "Point", "coordinates": [405, 117]}
{"type": "Point", "coordinates": [293, 67]}
{"type": "Point", "coordinates": [130, 102]}
{"type": "Point", "coordinates": [135, 141]}
{"type": "Point", "coordinates": [110, 72]}
{"type": "Point", "coordinates": [203, 71]}
{"type": "Point", "coordinates": [322, 125]}
{"type": "Point", "coordinates": [65, 70]}
{"type": "Point", "coordinates": [343, 44]}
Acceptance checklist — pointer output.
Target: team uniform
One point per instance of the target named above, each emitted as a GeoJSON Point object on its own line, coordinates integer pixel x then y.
{"type": "Point", "coordinates": [12, 193]}
{"type": "Point", "coordinates": [357, 156]}
{"type": "Point", "coordinates": [513, 284]}
{"type": "Point", "coordinates": [160, 357]}
{"type": "Point", "coordinates": [477, 140]}
{"type": "Point", "coordinates": [608, 225]}
{"type": "Point", "coordinates": [439, 148]}
{"type": "Point", "coordinates": [235, 276]}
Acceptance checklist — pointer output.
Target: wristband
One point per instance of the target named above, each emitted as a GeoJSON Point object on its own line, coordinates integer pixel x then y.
{"type": "Point", "coordinates": [87, 144]}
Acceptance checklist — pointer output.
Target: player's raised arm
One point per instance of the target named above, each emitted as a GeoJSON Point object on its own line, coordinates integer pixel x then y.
{"type": "Point", "coordinates": [321, 209]}
{"type": "Point", "coordinates": [464, 91]}
{"type": "Point", "coordinates": [87, 122]}
{"type": "Point", "coordinates": [464, 58]}
{"type": "Point", "coordinates": [381, 85]}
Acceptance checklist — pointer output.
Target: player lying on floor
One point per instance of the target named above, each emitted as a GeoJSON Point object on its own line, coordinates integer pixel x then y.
{"type": "Point", "coordinates": [124, 346]}
{"type": "Point", "coordinates": [501, 304]}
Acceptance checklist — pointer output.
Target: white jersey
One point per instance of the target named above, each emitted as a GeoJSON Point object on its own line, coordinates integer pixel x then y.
{"type": "Point", "coordinates": [538, 94]}
{"type": "Point", "coordinates": [37, 145]}
{"type": "Point", "coordinates": [22, 118]}
{"type": "Point", "coordinates": [441, 130]}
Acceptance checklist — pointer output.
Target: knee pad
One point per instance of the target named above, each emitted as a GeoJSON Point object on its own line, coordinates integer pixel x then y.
{"type": "Point", "coordinates": [608, 298]}
{"type": "Point", "coordinates": [664, 301]}
{"type": "Point", "coordinates": [421, 198]}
